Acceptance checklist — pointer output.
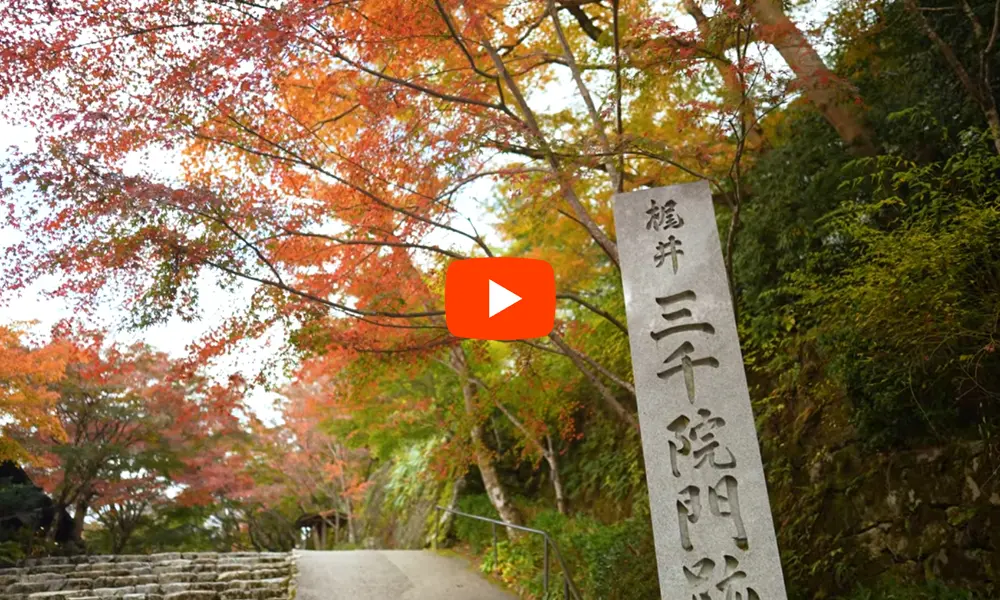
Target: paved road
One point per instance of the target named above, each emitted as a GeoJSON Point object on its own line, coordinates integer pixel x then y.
{"type": "Point", "coordinates": [390, 575]}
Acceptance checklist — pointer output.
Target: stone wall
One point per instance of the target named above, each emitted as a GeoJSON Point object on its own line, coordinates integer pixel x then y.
{"type": "Point", "coordinates": [170, 576]}
{"type": "Point", "coordinates": [850, 517]}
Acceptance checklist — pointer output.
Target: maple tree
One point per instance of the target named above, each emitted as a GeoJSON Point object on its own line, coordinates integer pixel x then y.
{"type": "Point", "coordinates": [127, 423]}
{"type": "Point", "coordinates": [124, 504]}
{"type": "Point", "coordinates": [25, 374]}
{"type": "Point", "coordinates": [332, 158]}
{"type": "Point", "coordinates": [327, 148]}
{"type": "Point", "coordinates": [300, 464]}
{"type": "Point", "coordinates": [101, 430]}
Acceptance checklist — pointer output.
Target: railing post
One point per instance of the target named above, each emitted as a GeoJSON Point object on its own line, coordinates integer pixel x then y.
{"type": "Point", "coordinates": [569, 590]}
{"type": "Point", "coordinates": [496, 559]}
{"type": "Point", "coordinates": [545, 562]}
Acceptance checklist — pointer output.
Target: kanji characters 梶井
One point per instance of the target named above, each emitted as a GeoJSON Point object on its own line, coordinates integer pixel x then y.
{"type": "Point", "coordinates": [669, 249]}
{"type": "Point", "coordinates": [663, 217]}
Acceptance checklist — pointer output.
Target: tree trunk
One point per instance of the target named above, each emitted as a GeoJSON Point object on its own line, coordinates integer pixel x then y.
{"type": "Point", "coordinates": [118, 544]}
{"type": "Point", "coordinates": [59, 506]}
{"type": "Point", "coordinates": [498, 494]}
{"type": "Point", "coordinates": [444, 518]}
{"type": "Point", "coordinates": [993, 118]}
{"type": "Point", "coordinates": [57, 518]}
{"type": "Point", "coordinates": [553, 460]}
{"type": "Point", "coordinates": [79, 514]}
{"type": "Point", "coordinates": [583, 217]}
{"type": "Point", "coordinates": [338, 454]}
{"type": "Point", "coordinates": [547, 451]}
{"type": "Point", "coordinates": [979, 89]}
{"type": "Point", "coordinates": [816, 80]}
{"type": "Point", "coordinates": [351, 534]}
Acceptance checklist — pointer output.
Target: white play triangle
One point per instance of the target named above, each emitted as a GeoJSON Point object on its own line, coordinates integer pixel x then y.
{"type": "Point", "coordinates": [501, 298]}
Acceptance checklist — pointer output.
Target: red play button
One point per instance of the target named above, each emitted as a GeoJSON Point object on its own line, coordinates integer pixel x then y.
{"type": "Point", "coordinates": [500, 298]}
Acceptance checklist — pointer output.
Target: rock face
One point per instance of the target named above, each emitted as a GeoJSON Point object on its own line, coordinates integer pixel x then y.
{"type": "Point", "coordinates": [171, 576]}
{"type": "Point", "coordinates": [920, 514]}
{"type": "Point", "coordinates": [400, 519]}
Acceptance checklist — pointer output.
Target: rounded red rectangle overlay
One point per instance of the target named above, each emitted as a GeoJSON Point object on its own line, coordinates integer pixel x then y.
{"type": "Point", "coordinates": [500, 298]}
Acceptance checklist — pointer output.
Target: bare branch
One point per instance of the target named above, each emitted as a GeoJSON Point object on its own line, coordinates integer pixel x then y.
{"type": "Point", "coordinates": [619, 127]}
{"type": "Point", "coordinates": [595, 231]}
{"type": "Point", "coordinates": [581, 86]}
{"type": "Point", "coordinates": [978, 90]}
{"type": "Point", "coordinates": [378, 243]}
{"type": "Point", "coordinates": [458, 41]}
{"type": "Point", "coordinates": [594, 309]}
{"type": "Point", "coordinates": [609, 399]}
{"type": "Point", "coordinates": [310, 296]}
{"type": "Point", "coordinates": [295, 158]}
{"type": "Point", "coordinates": [586, 23]}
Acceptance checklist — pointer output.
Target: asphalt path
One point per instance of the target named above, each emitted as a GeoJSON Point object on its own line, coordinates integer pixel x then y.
{"type": "Point", "coordinates": [390, 575]}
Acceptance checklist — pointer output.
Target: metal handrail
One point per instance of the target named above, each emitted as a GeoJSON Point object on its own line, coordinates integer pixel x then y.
{"type": "Point", "coordinates": [568, 587]}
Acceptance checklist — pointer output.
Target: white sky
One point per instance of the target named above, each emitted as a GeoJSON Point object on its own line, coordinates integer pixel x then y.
{"type": "Point", "coordinates": [173, 337]}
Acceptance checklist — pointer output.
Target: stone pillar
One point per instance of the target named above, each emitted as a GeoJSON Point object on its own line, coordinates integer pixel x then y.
{"type": "Point", "coordinates": [711, 516]}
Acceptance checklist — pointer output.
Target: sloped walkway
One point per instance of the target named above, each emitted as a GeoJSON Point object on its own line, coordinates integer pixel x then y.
{"type": "Point", "coordinates": [390, 575]}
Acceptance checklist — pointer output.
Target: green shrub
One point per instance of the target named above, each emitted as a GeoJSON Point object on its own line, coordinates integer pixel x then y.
{"type": "Point", "coordinates": [618, 561]}
{"type": "Point", "coordinates": [10, 553]}
{"type": "Point", "coordinates": [903, 296]}
{"type": "Point", "coordinates": [606, 562]}
{"type": "Point", "coordinates": [893, 590]}
{"type": "Point", "coordinates": [605, 467]}
{"type": "Point", "coordinates": [478, 534]}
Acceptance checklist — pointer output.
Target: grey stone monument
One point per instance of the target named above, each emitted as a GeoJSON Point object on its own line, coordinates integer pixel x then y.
{"type": "Point", "coordinates": [711, 516]}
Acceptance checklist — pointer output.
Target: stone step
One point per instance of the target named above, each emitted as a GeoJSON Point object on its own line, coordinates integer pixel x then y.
{"type": "Point", "coordinates": [209, 586]}
{"type": "Point", "coordinates": [44, 576]}
{"type": "Point", "coordinates": [94, 571]}
{"type": "Point", "coordinates": [274, 585]}
{"type": "Point", "coordinates": [164, 576]}
{"type": "Point", "coordinates": [262, 557]}
{"type": "Point", "coordinates": [31, 587]}
{"type": "Point", "coordinates": [48, 560]}
{"type": "Point", "coordinates": [110, 594]}
{"type": "Point", "coordinates": [77, 580]}
{"type": "Point", "coordinates": [131, 585]}
{"type": "Point", "coordinates": [249, 595]}
{"type": "Point", "coordinates": [192, 595]}
{"type": "Point", "coordinates": [60, 595]}
{"type": "Point", "coordinates": [254, 575]}
{"type": "Point", "coordinates": [116, 569]}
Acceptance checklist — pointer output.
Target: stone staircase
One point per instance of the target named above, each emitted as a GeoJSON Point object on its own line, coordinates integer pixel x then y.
{"type": "Point", "coordinates": [170, 576]}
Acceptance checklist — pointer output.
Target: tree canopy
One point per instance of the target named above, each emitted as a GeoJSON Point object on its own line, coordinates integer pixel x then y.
{"type": "Point", "coordinates": [332, 158]}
